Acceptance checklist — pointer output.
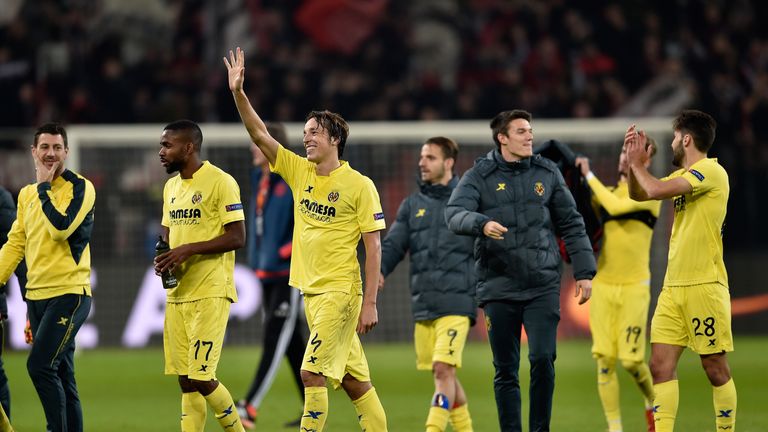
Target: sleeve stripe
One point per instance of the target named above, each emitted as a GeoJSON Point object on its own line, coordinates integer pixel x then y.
{"type": "Point", "coordinates": [62, 221]}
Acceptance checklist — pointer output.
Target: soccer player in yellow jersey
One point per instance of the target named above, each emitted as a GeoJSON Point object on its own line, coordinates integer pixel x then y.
{"type": "Point", "coordinates": [694, 308]}
{"type": "Point", "coordinates": [618, 314]}
{"type": "Point", "coordinates": [334, 207]}
{"type": "Point", "coordinates": [52, 232]}
{"type": "Point", "coordinates": [203, 222]}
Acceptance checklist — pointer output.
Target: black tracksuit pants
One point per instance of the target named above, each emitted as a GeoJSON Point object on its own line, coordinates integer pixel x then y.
{"type": "Point", "coordinates": [282, 338]}
{"type": "Point", "coordinates": [540, 317]}
{"type": "Point", "coordinates": [50, 364]}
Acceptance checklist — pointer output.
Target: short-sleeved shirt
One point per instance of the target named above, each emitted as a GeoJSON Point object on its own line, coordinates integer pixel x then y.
{"type": "Point", "coordinates": [196, 210]}
{"type": "Point", "coordinates": [696, 245]}
{"type": "Point", "coordinates": [330, 214]}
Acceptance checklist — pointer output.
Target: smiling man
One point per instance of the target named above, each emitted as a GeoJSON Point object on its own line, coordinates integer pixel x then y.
{"type": "Point", "coordinates": [514, 202]}
{"type": "Point", "coordinates": [52, 232]}
{"type": "Point", "coordinates": [335, 207]}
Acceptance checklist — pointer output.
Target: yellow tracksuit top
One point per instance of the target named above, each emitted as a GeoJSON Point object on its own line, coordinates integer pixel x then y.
{"type": "Point", "coordinates": [52, 231]}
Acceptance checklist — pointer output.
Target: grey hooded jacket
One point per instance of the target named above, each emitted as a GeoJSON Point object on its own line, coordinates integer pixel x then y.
{"type": "Point", "coordinates": [442, 266]}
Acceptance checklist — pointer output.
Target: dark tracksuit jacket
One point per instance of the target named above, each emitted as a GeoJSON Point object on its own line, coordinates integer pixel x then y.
{"type": "Point", "coordinates": [519, 276]}
{"type": "Point", "coordinates": [531, 199]}
{"type": "Point", "coordinates": [7, 216]}
{"type": "Point", "coordinates": [442, 264]}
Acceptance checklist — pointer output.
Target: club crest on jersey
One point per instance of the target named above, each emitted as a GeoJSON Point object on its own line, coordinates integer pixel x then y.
{"type": "Point", "coordinates": [197, 198]}
{"type": "Point", "coordinates": [539, 188]}
{"type": "Point", "coordinates": [333, 196]}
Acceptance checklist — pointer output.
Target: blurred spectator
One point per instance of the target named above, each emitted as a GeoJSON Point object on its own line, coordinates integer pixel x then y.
{"type": "Point", "coordinates": [79, 61]}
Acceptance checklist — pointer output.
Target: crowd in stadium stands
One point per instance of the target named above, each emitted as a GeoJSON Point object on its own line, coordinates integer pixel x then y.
{"type": "Point", "coordinates": [145, 61]}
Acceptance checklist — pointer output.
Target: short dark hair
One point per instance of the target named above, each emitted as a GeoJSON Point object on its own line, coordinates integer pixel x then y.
{"type": "Point", "coordinates": [53, 129]}
{"type": "Point", "coordinates": [192, 130]}
{"type": "Point", "coordinates": [502, 119]}
{"type": "Point", "coordinates": [334, 123]}
{"type": "Point", "coordinates": [448, 146]}
{"type": "Point", "coordinates": [277, 131]}
{"type": "Point", "coordinates": [700, 125]}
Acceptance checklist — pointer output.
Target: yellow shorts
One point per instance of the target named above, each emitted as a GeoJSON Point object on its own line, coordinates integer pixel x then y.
{"type": "Point", "coordinates": [440, 339]}
{"type": "Point", "coordinates": [334, 348]}
{"type": "Point", "coordinates": [193, 335]}
{"type": "Point", "coordinates": [618, 319]}
{"type": "Point", "coordinates": [697, 316]}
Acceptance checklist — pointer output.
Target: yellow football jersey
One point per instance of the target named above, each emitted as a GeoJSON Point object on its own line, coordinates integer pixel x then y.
{"type": "Point", "coordinates": [52, 231]}
{"type": "Point", "coordinates": [196, 210]}
{"type": "Point", "coordinates": [696, 245]}
{"type": "Point", "coordinates": [331, 212]}
{"type": "Point", "coordinates": [625, 254]}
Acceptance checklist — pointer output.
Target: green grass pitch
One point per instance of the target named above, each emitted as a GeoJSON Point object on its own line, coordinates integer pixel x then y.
{"type": "Point", "coordinates": [125, 390]}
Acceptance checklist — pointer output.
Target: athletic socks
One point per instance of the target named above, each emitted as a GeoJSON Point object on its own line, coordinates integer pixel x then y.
{"type": "Point", "coordinates": [193, 412]}
{"type": "Point", "coordinates": [437, 419]}
{"type": "Point", "coordinates": [224, 408]}
{"type": "Point", "coordinates": [665, 405]}
{"type": "Point", "coordinates": [724, 398]}
{"type": "Point", "coordinates": [315, 408]}
{"type": "Point", "coordinates": [642, 376]}
{"type": "Point", "coordinates": [608, 389]}
{"type": "Point", "coordinates": [460, 419]}
{"type": "Point", "coordinates": [370, 413]}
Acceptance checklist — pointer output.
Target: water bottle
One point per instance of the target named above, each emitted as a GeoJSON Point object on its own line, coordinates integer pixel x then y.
{"type": "Point", "coordinates": [169, 280]}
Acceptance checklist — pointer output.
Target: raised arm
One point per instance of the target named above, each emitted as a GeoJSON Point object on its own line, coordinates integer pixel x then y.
{"type": "Point", "coordinates": [253, 123]}
{"type": "Point", "coordinates": [613, 204]}
{"type": "Point", "coordinates": [643, 185]}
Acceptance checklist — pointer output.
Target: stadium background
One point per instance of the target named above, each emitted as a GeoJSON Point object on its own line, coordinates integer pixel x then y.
{"type": "Point", "coordinates": [117, 71]}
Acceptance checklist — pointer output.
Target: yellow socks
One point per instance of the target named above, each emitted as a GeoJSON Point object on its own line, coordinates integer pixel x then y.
{"type": "Point", "coordinates": [224, 408]}
{"type": "Point", "coordinates": [437, 420]}
{"type": "Point", "coordinates": [370, 413]}
{"type": "Point", "coordinates": [665, 405]}
{"type": "Point", "coordinates": [460, 419]}
{"type": "Point", "coordinates": [315, 408]}
{"type": "Point", "coordinates": [193, 412]}
{"type": "Point", "coordinates": [642, 376]}
{"type": "Point", "coordinates": [608, 389]}
{"type": "Point", "coordinates": [724, 398]}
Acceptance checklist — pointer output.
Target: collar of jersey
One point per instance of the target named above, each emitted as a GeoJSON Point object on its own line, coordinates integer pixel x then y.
{"type": "Point", "coordinates": [338, 170]}
{"type": "Point", "coordinates": [200, 170]}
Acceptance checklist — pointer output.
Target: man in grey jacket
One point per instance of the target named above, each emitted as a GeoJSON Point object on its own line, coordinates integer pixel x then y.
{"type": "Point", "coordinates": [442, 281]}
{"type": "Point", "coordinates": [514, 203]}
